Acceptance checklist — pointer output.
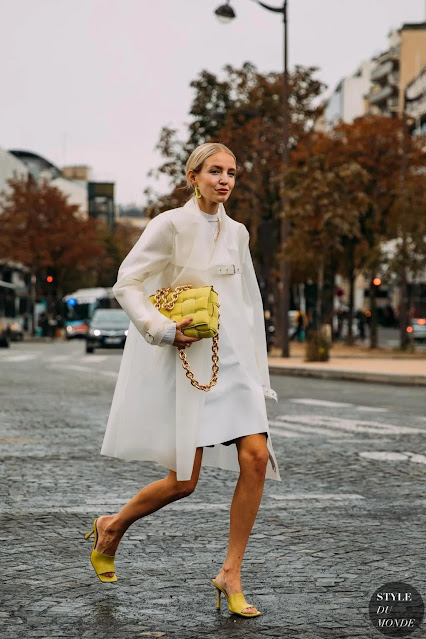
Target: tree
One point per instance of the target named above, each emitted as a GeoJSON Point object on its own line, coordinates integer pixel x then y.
{"type": "Point", "coordinates": [244, 111]}
{"type": "Point", "coordinates": [344, 188]}
{"type": "Point", "coordinates": [116, 245]}
{"type": "Point", "coordinates": [43, 231]}
{"type": "Point", "coordinates": [375, 142]}
{"type": "Point", "coordinates": [325, 197]}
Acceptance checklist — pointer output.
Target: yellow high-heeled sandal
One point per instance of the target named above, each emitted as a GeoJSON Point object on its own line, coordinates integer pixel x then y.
{"type": "Point", "coordinates": [236, 603]}
{"type": "Point", "coordinates": [100, 562]}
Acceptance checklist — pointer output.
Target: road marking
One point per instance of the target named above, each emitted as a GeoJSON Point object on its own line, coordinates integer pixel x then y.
{"type": "Point", "coordinates": [346, 425]}
{"type": "Point", "coordinates": [383, 455]}
{"type": "Point", "coordinates": [18, 358]}
{"type": "Point", "coordinates": [298, 429]}
{"type": "Point", "coordinates": [92, 359]}
{"type": "Point", "coordinates": [57, 358]}
{"type": "Point", "coordinates": [320, 402]}
{"type": "Point", "coordinates": [392, 456]}
{"type": "Point", "coordinates": [84, 369]}
{"type": "Point", "coordinates": [284, 433]}
{"type": "Point", "coordinates": [329, 404]}
{"type": "Point", "coordinates": [332, 496]}
{"type": "Point", "coordinates": [73, 367]}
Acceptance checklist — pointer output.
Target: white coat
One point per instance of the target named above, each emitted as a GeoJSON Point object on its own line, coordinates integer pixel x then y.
{"type": "Point", "coordinates": [155, 411]}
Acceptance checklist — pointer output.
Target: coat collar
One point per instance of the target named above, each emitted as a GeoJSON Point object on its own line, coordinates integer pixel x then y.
{"type": "Point", "coordinates": [218, 252]}
{"type": "Point", "coordinates": [192, 206]}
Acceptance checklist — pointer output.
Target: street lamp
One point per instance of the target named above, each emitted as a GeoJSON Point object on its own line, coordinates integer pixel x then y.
{"type": "Point", "coordinates": [226, 13]}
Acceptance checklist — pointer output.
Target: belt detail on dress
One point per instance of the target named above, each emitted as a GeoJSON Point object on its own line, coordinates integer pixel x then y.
{"type": "Point", "coordinates": [227, 269]}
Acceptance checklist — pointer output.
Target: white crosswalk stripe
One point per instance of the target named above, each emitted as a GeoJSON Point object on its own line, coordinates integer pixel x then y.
{"type": "Point", "coordinates": [307, 401]}
{"type": "Point", "coordinates": [73, 367]}
{"type": "Point", "coordinates": [330, 426]}
{"type": "Point", "coordinates": [285, 433]}
{"type": "Point", "coordinates": [92, 359]}
{"type": "Point", "coordinates": [9, 359]}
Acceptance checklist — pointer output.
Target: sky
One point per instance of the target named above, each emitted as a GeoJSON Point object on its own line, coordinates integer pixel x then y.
{"type": "Point", "coordinates": [94, 81]}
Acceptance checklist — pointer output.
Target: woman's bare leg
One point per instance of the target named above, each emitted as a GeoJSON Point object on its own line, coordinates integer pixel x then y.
{"type": "Point", "coordinates": [253, 458]}
{"type": "Point", "coordinates": [152, 497]}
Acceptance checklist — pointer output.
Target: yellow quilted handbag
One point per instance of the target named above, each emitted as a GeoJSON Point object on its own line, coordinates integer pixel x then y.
{"type": "Point", "coordinates": [202, 304]}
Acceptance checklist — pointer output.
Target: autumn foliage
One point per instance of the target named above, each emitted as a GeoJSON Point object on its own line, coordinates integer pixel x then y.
{"type": "Point", "coordinates": [344, 195]}
{"type": "Point", "coordinates": [41, 230]}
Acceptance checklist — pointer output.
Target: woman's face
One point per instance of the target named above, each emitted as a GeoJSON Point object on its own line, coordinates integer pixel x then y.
{"type": "Point", "coordinates": [216, 178]}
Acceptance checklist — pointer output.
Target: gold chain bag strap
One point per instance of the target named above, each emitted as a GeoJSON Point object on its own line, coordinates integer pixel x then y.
{"type": "Point", "coordinates": [202, 304]}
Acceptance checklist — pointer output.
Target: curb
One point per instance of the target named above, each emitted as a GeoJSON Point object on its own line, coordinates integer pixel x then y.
{"type": "Point", "coordinates": [355, 376]}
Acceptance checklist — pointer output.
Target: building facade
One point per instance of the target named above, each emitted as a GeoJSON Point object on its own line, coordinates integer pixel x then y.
{"type": "Point", "coordinates": [415, 103]}
{"type": "Point", "coordinates": [10, 167]}
{"type": "Point", "coordinates": [396, 68]}
{"type": "Point", "coordinates": [347, 101]}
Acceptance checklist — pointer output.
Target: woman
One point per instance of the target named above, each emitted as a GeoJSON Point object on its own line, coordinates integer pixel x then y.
{"type": "Point", "coordinates": [156, 414]}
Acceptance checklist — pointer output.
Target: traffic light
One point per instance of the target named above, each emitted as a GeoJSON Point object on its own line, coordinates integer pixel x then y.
{"type": "Point", "coordinates": [377, 281]}
{"type": "Point", "coordinates": [49, 279]}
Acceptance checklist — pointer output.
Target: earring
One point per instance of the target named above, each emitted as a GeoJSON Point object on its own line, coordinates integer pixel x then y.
{"type": "Point", "coordinates": [197, 192]}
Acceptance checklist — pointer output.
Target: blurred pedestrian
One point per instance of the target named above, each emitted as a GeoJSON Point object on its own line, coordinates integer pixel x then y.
{"type": "Point", "coordinates": [361, 321]}
{"type": "Point", "coordinates": [301, 323]}
{"type": "Point", "coordinates": [43, 323]}
{"type": "Point", "coordinates": [156, 413]}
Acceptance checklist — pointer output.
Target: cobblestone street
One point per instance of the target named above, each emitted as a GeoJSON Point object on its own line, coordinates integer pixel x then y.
{"type": "Point", "coordinates": [348, 516]}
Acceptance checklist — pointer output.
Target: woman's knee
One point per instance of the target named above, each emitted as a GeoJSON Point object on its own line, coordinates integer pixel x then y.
{"type": "Point", "coordinates": [180, 489]}
{"type": "Point", "coordinates": [183, 489]}
{"type": "Point", "coordinates": [254, 459]}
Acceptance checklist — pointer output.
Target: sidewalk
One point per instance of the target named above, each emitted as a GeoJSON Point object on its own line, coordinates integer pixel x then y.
{"type": "Point", "coordinates": [355, 363]}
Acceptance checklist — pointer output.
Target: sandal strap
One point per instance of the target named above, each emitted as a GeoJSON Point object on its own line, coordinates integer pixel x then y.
{"type": "Point", "coordinates": [104, 563]}
{"type": "Point", "coordinates": [238, 602]}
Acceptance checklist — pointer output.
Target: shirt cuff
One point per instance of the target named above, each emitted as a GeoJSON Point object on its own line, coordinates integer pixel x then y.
{"type": "Point", "coordinates": [169, 336]}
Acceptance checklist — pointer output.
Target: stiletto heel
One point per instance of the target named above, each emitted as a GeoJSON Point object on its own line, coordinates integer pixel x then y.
{"type": "Point", "coordinates": [236, 603]}
{"type": "Point", "coordinates": [100, 562]}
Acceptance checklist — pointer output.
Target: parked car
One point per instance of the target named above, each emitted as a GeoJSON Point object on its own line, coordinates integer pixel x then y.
{"type": "Point", "coordinates": [108, 329]}
{"type": "Point", "coordinates": [16, 331]}
{"type": "Point", "coordinates": [4, 333]}
{"type": "Point", "coordinates": [76, 328]}
{"type": "Point", "coordinates": [417, 329]}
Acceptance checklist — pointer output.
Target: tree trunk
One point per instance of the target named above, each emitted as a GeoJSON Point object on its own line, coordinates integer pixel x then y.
{"type": "Point", "coordinates": [320, 293]}
{"type": "Point", "coordinates": [373, 317]}
{"type": "Point", "coordinates": [329, 291]}
{"type": "Point", "coordinates": [350, 336]}
{"type": "Point", "coordinates": [351, 277]}
{"type": "Point", "coordinates": [33, 296]}
{"type": "Point", "coordinates": [403, 310]}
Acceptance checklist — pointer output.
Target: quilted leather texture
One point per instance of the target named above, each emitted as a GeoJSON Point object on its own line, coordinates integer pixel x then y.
{"type": "Point", "coordinates": [202, 304]}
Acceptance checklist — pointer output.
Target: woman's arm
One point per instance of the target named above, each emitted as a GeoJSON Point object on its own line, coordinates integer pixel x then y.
{"type": "Point", "coordinates": [149, 256]}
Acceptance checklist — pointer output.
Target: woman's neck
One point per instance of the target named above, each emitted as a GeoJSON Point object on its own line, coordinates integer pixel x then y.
{"type": "Point", "coordinates": [208, 207]}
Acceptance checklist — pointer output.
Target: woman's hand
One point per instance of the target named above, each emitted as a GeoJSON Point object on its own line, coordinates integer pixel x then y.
{"type": "Point", "coordinates": [181, 340]}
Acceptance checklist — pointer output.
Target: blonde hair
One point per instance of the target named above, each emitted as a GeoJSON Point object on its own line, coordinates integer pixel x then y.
{"type": "Point", "coordinates": [200, 154]}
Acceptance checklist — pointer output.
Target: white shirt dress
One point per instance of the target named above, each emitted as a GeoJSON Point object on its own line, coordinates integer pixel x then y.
{"type": "Point", "coordinates": [156, 414]}
{"type": "Point", "coordinates": [234, 388]}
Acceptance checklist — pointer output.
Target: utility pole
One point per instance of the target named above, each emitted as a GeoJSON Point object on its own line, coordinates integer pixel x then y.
{"type": "Point", "coordinates": [284, 292]}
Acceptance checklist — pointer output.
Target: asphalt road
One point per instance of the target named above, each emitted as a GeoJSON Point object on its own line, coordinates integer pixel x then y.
{"type": "Point", "coordinates": [347, 517]}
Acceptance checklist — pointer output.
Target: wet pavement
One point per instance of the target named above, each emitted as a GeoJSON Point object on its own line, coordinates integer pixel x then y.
{"type": "Point", "coordinates": [348, 516]}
